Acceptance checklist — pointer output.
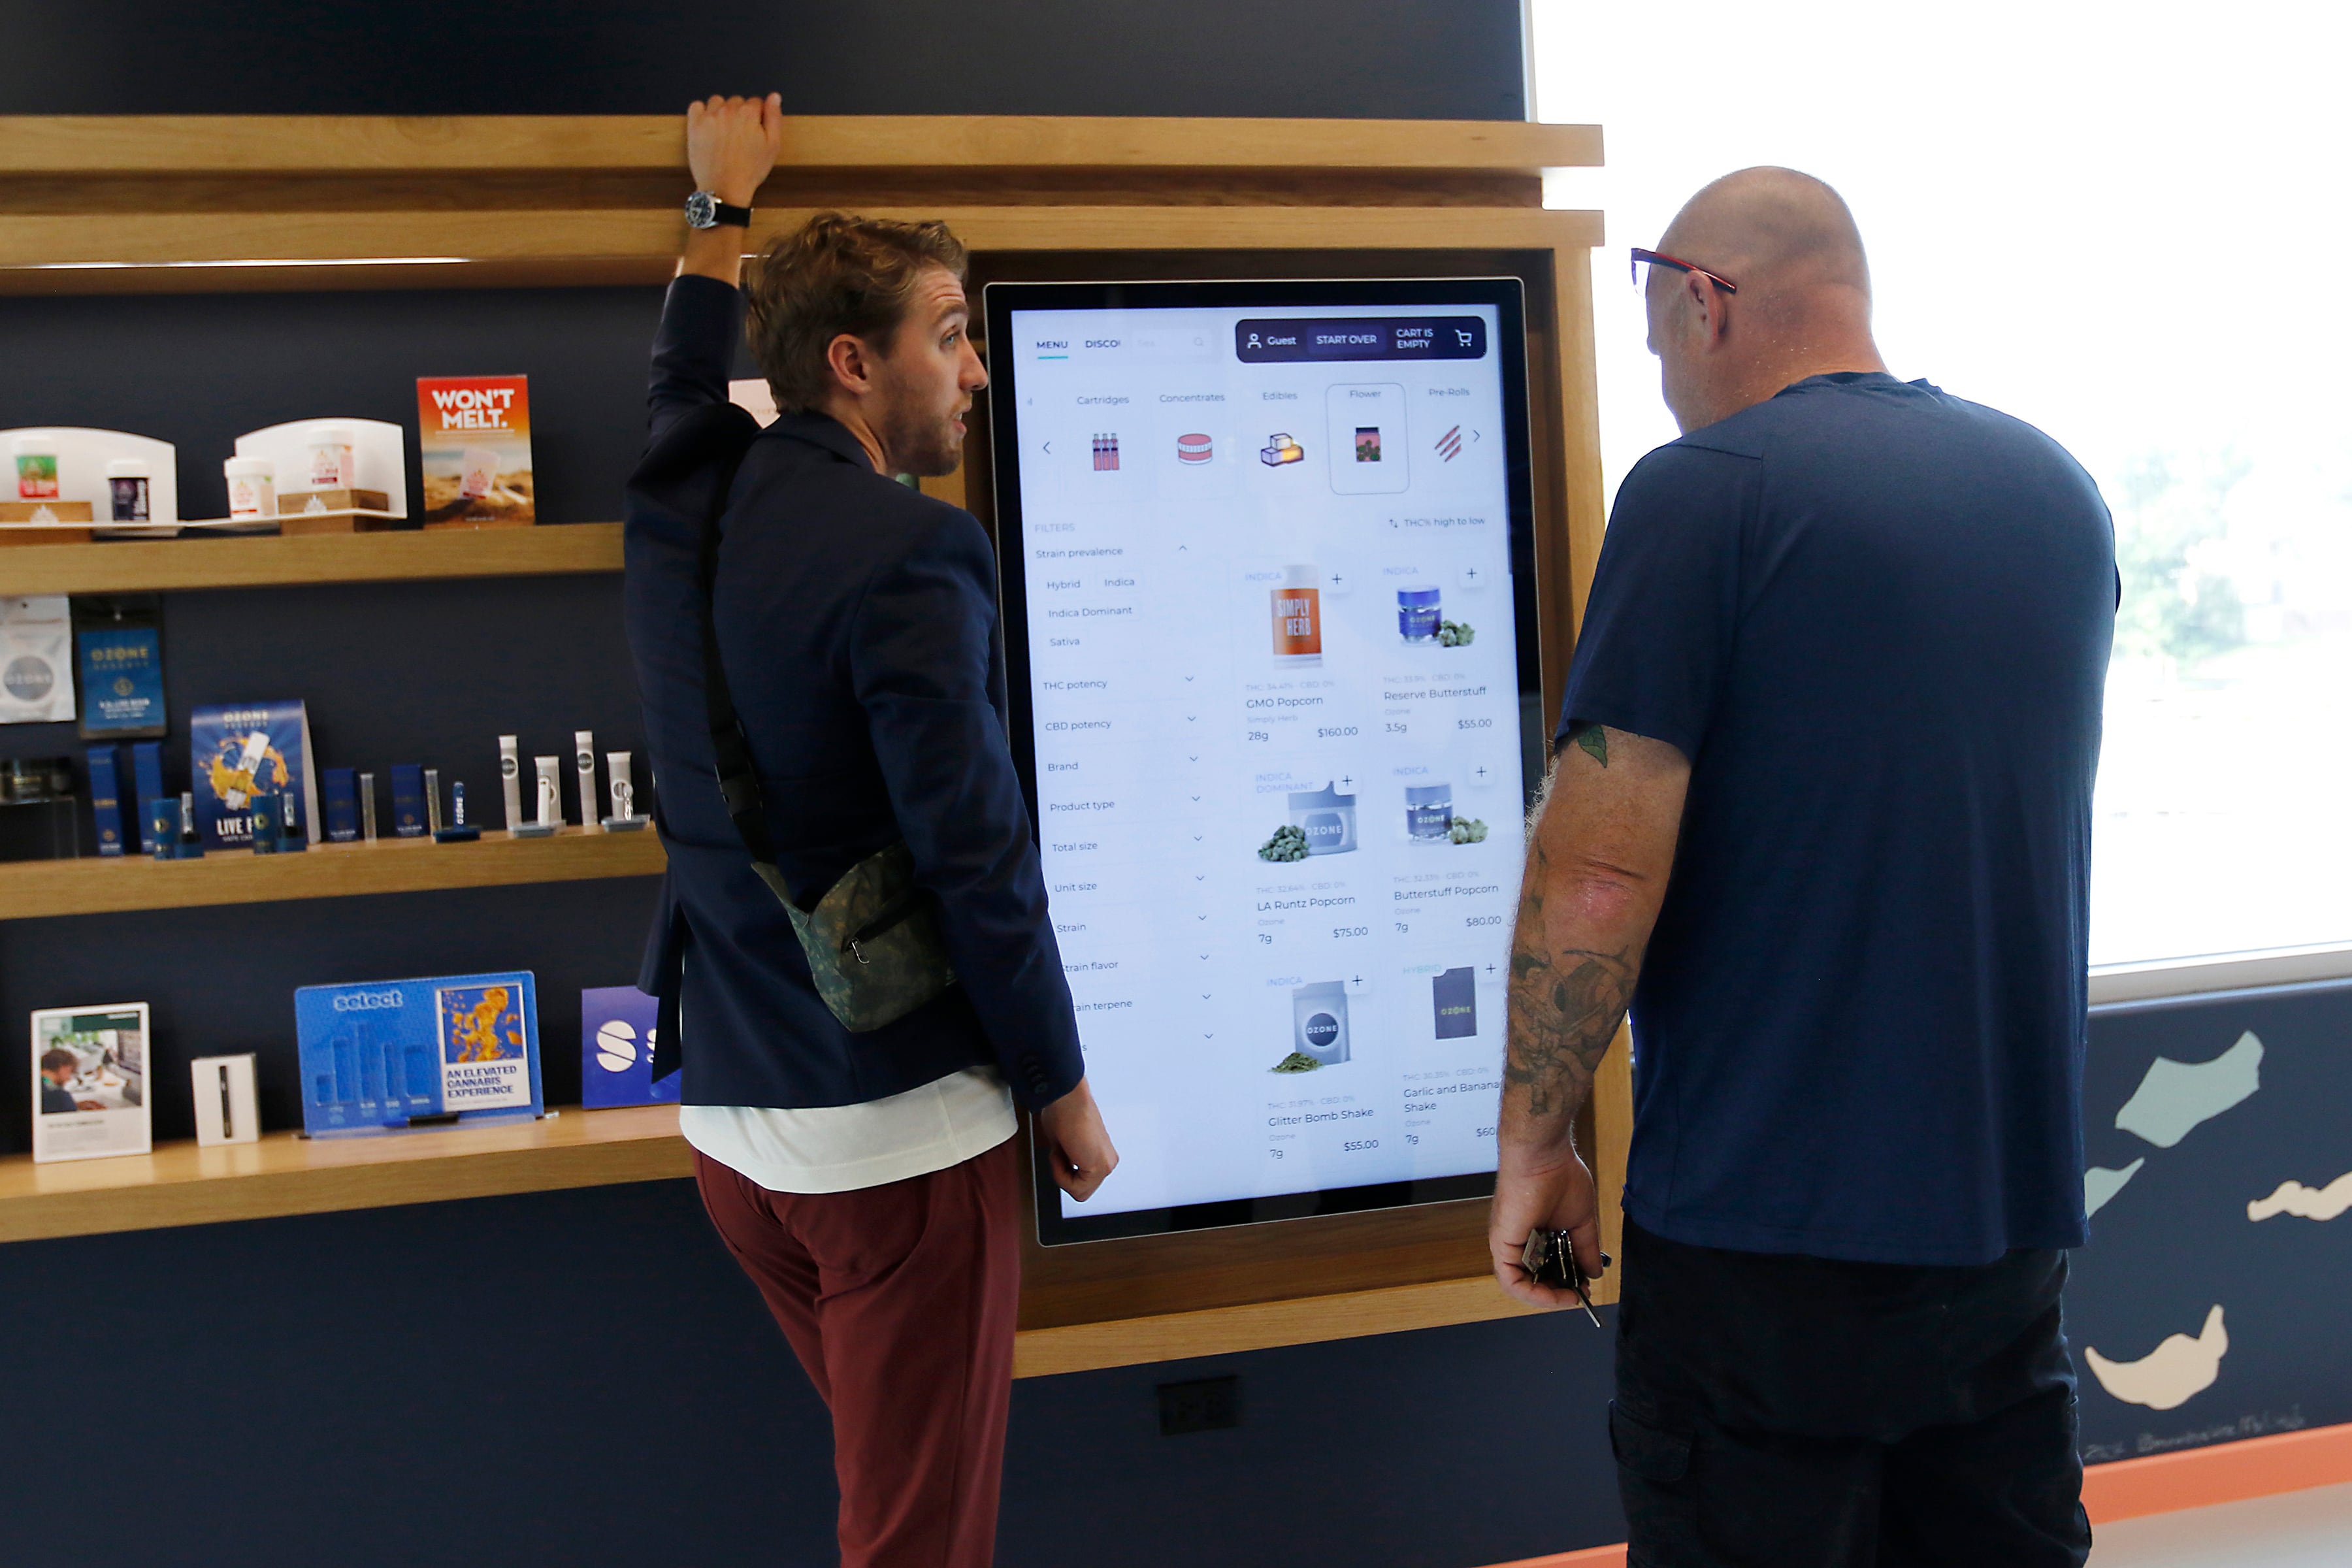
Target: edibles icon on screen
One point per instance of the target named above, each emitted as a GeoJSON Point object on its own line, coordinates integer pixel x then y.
{"type": "Point", "coordinates": [1368, 443]}
{"type": "Point", "coordinates": [1107, 453]}
{"type": "Point", "coordinates": [1449, 446]}
{"type": "Point", "coordinates": [1281, 449]}
{"type": "Point", "coordinates": [1194, 448]}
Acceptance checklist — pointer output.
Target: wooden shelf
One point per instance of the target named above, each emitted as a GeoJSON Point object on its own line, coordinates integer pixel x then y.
{"type": "Point", "coordinates": [233, 202]}
{"type": "Point", "coordinates": [284, 145]}
{"type": "Point", "coordinates": [32, 888]}
{"type": "Point", "coordinates": [152, 565]}
{"type": "Point", "coordinates": [283, 1174]}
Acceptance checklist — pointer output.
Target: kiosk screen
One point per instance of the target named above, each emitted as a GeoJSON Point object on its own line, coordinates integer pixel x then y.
{"type": "Point", "coordinates": [1269, 615]}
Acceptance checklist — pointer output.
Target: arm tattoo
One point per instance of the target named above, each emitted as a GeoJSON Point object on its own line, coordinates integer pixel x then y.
{"type": "Point", "coordinates": [1593, 739]}
{"type": "Point", "coordinates": [1564, 1010]}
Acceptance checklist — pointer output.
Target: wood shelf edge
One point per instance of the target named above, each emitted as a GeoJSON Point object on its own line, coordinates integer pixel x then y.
{"type": "Point", "coordinates": [65, 254]}
{"type": "Point", "coordinates": [31, 890]}
{"type": "Point", "coordinates": [1265, 1325]}
{"type": "Point", "coordinates": [181, 1184]}
{"type": "Point", "coordinates": [263, 561]}
{"type": "Point", "coordinates": [261, 146]}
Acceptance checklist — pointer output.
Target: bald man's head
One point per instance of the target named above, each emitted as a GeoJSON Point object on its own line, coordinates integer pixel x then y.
{"type": "Point", "coordinates": [1802, 306]}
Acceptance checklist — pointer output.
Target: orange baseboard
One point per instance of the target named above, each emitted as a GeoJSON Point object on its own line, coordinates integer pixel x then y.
{"type": "Point", "coordinates": [1592, 1557]}
{"type": "Point", "coordinates": [2160, 1483]}
{"type": "Point", "coordinates": [2224, 1472]}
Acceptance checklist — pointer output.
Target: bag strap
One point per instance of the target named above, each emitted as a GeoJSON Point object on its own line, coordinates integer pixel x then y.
{"type": "Point", "coordinates": [731, 747]}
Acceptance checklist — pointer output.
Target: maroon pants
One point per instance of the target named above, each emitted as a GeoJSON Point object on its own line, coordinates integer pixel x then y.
{"type": "Point", "coordinates": [899, 1301]}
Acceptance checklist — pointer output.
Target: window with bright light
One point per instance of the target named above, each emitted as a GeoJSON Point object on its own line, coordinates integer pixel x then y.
{"type": "Point", "coordinates": [2126, 226]}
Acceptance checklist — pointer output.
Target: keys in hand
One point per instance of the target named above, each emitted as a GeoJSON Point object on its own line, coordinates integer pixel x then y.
{"type": "Point", "coordinates": [1549, 1258]}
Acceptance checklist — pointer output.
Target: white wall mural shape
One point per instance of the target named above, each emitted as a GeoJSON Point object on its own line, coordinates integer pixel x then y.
{"type": "Point", "coordinates": [2170, 1375]}
{"type": "Point", "coordinates": [2304, 1202]}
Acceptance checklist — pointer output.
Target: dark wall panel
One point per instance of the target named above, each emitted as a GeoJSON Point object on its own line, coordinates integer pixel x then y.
{"type": "Point", "coordinates": [1386, 59]}
{"type": "Point", "coordinates": [2177, 1240]}
{"type": "Point", "coordinates": [584, 1378]}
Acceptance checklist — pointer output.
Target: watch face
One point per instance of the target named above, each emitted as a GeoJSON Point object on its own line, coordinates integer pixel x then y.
{"type": "Point", "coordinates": [701, 210]}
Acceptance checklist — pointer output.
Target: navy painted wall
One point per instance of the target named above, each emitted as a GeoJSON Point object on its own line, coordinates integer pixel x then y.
{"type": "Point", "coordinates": [1432, 59]}
{"type": "Point", "coordinates": [585, 1378]}
{"type": "Point", "coordinates": [2176, 1241]}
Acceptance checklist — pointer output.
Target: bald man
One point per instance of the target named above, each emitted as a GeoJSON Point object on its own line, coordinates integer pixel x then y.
{"type": "Point", "coordinates": [1820, 819]}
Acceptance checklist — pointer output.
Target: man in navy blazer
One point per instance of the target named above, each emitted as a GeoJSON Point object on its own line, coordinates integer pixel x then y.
{"type": "Point", "coordinates": [868, 1183]}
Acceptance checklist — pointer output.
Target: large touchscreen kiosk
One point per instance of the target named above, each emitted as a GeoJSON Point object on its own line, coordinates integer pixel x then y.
{"type": "Point", "coordinates": [1270, 624]}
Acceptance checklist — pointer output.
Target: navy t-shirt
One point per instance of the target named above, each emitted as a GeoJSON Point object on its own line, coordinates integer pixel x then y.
{"type": "Point", "coordinates": [1876, 619]}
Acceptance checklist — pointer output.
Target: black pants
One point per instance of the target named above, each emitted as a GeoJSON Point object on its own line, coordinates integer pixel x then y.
{"type": "Point", "coordinates": [1783, 1410]}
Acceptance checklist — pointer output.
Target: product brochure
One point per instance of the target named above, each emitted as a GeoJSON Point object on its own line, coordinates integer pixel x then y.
{"type": "Point", "coordinates": [36, 684]}
{"type": "Point", "coordinates": [90, 1082]}
{"type": "Point", "coordinates": [473, 446]}
{"type": "Point", "coordinates": [616, 1050]}
{"type": "Point", "coordinates": [236, 753]}
{"type": "Point", "coordinates": [396, 1055]}
{"type": "Point", "coordinates": [122, 681]}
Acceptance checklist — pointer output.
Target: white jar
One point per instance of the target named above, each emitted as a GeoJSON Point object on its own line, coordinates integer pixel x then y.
{"type": "Point", "coordinates": [130, 487]}
{"type": "Point", "coordinates": [333, 466]}
{"type": "Point", "coordinates": [252, 488]}
{"type": "Point", "coordinates": [36, 467]}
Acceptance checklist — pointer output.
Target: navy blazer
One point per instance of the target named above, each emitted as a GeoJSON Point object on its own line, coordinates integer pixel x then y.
{"type": "Point", "coordinates": [856, 621]}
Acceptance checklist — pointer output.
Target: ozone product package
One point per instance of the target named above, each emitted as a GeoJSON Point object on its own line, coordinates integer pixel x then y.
{"type": "Point", "coordinates": [1328, 819]}
{"type": "Point", "coordinates": [1428, 813]}
{"type": "Point", "coordinates": [1418, 613]}
{"type": "Point", "coordinates": [1318, 1018]}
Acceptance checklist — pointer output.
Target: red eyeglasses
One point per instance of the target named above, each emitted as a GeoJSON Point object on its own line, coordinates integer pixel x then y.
{"type": "Point", "coordinates": [1656, 259]}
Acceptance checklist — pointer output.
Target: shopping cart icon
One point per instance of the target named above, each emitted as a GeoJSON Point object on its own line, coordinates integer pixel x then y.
{"type": "Point", "coordinates": [1464, 339]}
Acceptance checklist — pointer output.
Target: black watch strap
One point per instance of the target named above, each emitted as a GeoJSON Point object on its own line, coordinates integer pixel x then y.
{"type": "Point", "coordinates": [704, 210]}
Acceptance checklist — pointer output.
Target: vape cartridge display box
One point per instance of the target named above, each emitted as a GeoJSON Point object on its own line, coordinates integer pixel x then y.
{"type": "Point", "coordinates": [236, 753]}
{"type": "Point", "coordinates": [472, 448]}
{"type": "Point", "coordinates": [394, 1055]}
{"type": "Point", "coordinates": [106, 797]}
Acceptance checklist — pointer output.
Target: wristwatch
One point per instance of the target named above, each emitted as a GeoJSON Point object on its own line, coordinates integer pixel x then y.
{"type": "Point", "coordinates": [704, 210]}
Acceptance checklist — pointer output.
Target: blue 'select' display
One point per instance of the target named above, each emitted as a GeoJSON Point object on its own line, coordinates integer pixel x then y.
{"type": "Point", "coordinates": [396, 1053]}
{"type": "Point", "coordinates": [1270, 629]}
{"type": "Point", "coordinates": [616, 1050]}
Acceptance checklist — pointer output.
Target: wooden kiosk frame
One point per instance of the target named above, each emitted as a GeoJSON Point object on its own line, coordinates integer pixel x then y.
{"type": "Point", "coordinates": [157, 205]}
